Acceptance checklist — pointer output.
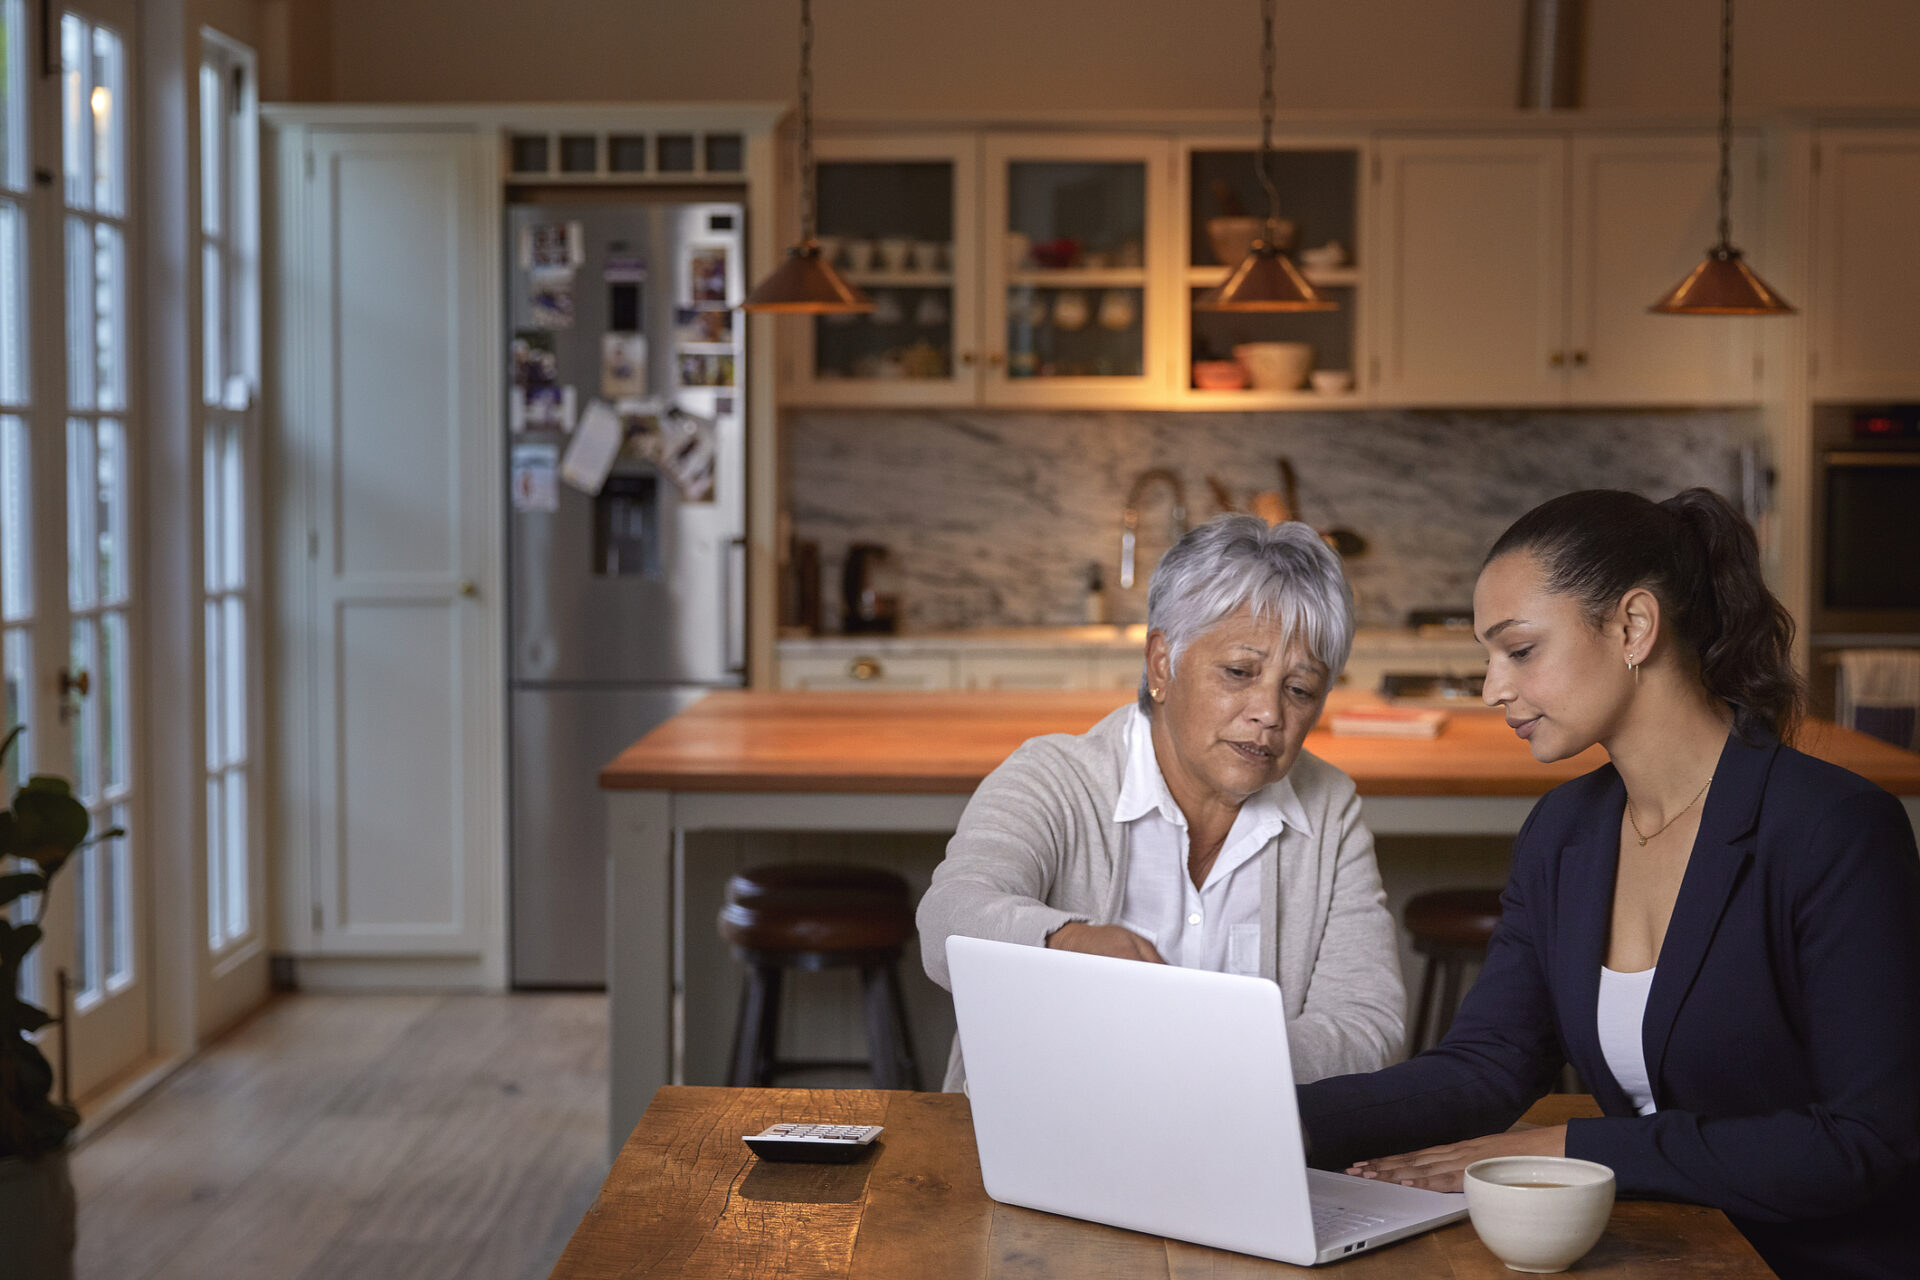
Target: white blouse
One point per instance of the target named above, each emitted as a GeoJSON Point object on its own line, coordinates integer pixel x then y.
{"type": "Point", "coordinates": [1622, 1012]}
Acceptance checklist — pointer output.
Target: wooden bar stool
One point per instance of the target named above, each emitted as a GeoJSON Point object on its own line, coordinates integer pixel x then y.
{"type": "Point", "coordinates": [1451, 928]}
{"type": "Point", "coordinates": [815, 916]}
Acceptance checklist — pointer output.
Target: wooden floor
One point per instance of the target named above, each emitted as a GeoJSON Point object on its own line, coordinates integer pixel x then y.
{"type": "Point", "coordinates": [364, 1136]}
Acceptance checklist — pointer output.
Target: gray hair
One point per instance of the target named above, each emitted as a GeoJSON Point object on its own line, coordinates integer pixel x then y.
{"type": "Point", "coordinates": [1282, 572]}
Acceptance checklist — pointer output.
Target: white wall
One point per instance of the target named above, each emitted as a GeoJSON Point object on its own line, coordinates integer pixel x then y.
{"type": "Point", "coordinates": [1036, 55]}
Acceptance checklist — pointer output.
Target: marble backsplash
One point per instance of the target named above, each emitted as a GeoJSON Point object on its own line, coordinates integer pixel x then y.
{"type": "Point", "coordinates": [992, 518]}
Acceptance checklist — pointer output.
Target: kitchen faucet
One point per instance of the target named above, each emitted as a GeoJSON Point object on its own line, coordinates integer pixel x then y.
{"type": "Point", "coordinates": [1130, 517]}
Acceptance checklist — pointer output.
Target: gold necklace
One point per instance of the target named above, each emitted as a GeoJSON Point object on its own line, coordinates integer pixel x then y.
{"type": "Point", "coordinates": [1635, 823]}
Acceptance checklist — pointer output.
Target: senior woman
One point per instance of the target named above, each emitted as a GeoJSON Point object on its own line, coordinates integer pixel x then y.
{"type": "Point", "coordinates": [1190, 828]}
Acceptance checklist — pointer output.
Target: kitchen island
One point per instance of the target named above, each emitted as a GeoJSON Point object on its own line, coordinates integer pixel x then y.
{"type": "Point", "coordinates": [752, 761]}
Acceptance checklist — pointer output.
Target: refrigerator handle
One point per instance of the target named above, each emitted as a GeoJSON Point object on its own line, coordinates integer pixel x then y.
{"type": "Point", "coordinates": [733, 605]}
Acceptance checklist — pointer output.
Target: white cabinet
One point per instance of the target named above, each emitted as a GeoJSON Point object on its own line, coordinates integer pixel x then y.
{"type": "Point", "coordinates": [1865, 326]}
{"type": "Point", "coordinates": [1005, 269]}
{"type": "Point", "coordinates": [1520, 269]}
{"type": "Point", "coordinates": [387, 240]}
{"type": "Point", "coordinates": [1028, 669]}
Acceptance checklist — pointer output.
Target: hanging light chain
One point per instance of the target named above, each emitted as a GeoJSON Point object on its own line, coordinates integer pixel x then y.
{"type": "Point", "coordinates": [1267, 109]}
{"type": "Point", "coordinates": [1726, 124]}
{"type": "Point", "coordinates": [806, 122]}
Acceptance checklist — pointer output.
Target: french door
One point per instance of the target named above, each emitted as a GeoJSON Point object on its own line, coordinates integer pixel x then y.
{"type": "Point", "coordinates": [69, 450]}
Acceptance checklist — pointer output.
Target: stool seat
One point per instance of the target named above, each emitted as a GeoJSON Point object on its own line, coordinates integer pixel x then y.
{"type": "Point", "coordinates": [811, 916]}
{"type": "Point", "coordinates": [816, 908]}
{"type": "Point", "coordinates": [1453, 918]}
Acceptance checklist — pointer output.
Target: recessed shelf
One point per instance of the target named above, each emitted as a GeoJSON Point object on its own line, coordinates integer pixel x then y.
{"type": "Point", "coordinates": [1330, 277]}
{"type": "Point", "coordinates": [1081, 277]}
{"type": "Point", "coordinates": [900, 279]}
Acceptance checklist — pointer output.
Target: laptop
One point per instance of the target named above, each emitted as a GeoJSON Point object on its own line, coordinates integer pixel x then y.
{"type": "Point", "coordinates": [1158, 1099]}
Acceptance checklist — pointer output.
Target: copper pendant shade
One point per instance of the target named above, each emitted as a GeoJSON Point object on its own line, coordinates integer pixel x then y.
{"type": "Point", "coordinates": [806, 283]}
{"type": "Point", "coordinates": [1266, 279]}
{"type": "Point", "coordinates": [1723, 284]}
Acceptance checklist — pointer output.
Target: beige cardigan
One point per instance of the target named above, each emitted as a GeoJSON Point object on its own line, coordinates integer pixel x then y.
{"type": "Point", "coordinates": [1038, 847]}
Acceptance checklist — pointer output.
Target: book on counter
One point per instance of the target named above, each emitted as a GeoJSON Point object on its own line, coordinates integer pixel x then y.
{"type": "Point", "coordinates": [1388, 722]}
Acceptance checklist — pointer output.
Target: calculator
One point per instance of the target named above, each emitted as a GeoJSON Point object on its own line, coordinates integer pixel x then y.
{"type": "Point", "coordinates": [814, 1143]}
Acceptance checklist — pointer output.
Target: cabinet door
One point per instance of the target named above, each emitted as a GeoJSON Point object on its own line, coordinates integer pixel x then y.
{"type": "Point", "coordinates": [1645, 209]}
{"type": "Point", "coordinates": [1076, 274]}
{"type": "Point", "coordinates": [900, 218]}
{"type": "Point", "coordinates": [392, 299]}
{"type": "Point", "coordinates": [1023, 670]}
{"type": "Point", "coordinates": [1866, 265]}
{"type": "Point", "coordinates": [1469, 252]}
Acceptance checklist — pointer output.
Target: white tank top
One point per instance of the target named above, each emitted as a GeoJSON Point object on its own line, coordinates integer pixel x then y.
{"type": "Point", "coordinates": [1622, 1011]}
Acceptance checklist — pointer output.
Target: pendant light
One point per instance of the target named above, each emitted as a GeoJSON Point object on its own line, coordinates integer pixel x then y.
{"type": "Point", "coordinates": [1723, 284]}
{"type": "Point", "coordinates": [1266, 279]}
{"type": "Point", "coordinates": [806, 283]}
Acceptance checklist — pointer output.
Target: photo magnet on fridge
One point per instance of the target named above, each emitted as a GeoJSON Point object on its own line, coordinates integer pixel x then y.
{"type": "Point", "coordinates": [623, 365]}
{"type": "Point", "coordinates": [535, 478]}
{"type": "Point", "coordinates": [553, 300]}
{"type": "Point", "coordinates": [709, 326]}
{"type": "Point", "coordinates": [707, 275]}
{"type": "Point", "coordinates": [552, 246]}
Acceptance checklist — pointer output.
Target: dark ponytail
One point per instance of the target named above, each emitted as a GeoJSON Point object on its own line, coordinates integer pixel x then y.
{"type": "Point", "coordinates": [1700, 559]}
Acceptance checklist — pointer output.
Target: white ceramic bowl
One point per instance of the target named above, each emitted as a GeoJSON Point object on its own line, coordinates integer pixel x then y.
{"type": "Point", "coordinates": [1539, 1228]}
{"type": "Point", "coordinates": [1275, 366]}
{"type": "Point", "coordinates": [1331, 382]}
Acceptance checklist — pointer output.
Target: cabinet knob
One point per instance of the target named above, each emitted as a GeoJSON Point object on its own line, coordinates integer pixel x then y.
{"type": "Point", "coordinates": [864, 668]}
{"type": "Point", "coordinates": [469, 588]}
{"type": "Point", "coordinates": [1580, 359]}
{"type": "Point", "coordinates": [994, 358]}
{"type": "Point", "coordinates": [966, 358]}
{"type": "Point", "coordinates": [1557, 359]}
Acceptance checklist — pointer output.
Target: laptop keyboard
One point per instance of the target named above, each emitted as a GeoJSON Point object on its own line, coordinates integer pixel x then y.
{"type": "Point", "coordinates": [1336, 1220]}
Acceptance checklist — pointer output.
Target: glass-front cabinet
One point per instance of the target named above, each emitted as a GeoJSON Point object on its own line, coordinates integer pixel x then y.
{"type": "Point", "coordinates": [1073, 241]}
{"type": "Point", "coordinates": [899, 218]}
{"type": "Point", "coordinates": [1272, 359]}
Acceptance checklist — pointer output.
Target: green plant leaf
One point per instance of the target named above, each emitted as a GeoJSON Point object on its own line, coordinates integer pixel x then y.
{"type": "Point", "coordinates": [48, 822]}
{"type": "Point", "coordinates": [29, 1018]}
{"type": "Point", "coordinates": [19, 884]}
{"type": "Point", "coordinates": [7, 745]}
{"type": "Point", "coordinates": [17, 941]}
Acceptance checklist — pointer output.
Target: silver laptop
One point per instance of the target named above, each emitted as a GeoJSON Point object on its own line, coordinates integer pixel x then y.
{"type": "Point", "coordinates": [1158, 1099]}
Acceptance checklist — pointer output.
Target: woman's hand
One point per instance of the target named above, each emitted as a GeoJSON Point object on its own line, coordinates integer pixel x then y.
{"type": "Point", "coordinates": [1103, 940]}
{"type": "Point", "coordinates": [1441, 1168]}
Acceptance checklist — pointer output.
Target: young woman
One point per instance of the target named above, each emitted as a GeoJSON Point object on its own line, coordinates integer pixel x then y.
{"type": "Point", "coordinates": [1720, 933]}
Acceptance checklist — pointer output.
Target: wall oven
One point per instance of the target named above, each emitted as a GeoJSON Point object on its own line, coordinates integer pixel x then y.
{"type": "Point", "coordinates": [1867, 563]}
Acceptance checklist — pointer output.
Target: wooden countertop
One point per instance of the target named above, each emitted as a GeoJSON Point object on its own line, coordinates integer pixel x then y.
{"type": "Point", "coordinates": [687, 1199]}
{"type": "Point", "coordinates": [945, 743]}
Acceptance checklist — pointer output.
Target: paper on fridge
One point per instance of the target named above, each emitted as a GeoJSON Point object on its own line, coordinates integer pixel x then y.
{"type": "Point", "coordinates": [595, 444]}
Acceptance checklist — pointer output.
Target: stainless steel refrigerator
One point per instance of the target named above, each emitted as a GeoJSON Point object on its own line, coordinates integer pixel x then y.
{"type": "Point", "coordinates": [627, 604]}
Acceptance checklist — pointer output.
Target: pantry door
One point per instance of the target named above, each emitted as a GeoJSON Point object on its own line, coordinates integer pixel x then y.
{"type": "Point", "coordinates": [69, 448]}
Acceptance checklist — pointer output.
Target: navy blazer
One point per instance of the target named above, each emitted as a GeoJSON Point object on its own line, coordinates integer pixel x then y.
{"type": "Point", "coordinates": [1782, 1031]}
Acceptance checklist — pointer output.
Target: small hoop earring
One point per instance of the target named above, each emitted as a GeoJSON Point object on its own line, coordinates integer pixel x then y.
{"type": "Point", "coordinates": [1633, 668]}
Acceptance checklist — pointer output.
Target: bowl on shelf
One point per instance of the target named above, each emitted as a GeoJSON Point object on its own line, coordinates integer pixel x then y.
{"type": "Point", "coordinates": [1275, 366]}
{"type": "Point", "coordinates": [1331, 382]}
{"type": "Point", "coordinates": [1219, 375]}
{"type": "Point", "coordinates": [1232, 237]}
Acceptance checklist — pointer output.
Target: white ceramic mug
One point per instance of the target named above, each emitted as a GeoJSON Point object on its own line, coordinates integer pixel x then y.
{"type": "Point", "coordinates": [1539, 1213]}
{"type": "Point", "coordinates": [1116, 309]}
{"type": "Point", "coordinates": [896, 254]}
{"type": "Point", "coordinates": [1070, 310]}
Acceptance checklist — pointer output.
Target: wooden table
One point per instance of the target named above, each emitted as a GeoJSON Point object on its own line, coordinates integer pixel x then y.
{"type": "Point", "coordinates": [792, 761]}
{"type": "Point", "coordinates": [687, 1199]}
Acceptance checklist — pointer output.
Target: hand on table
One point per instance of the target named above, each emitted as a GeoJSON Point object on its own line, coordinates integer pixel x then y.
{"type": "Point", "coordinates": [1103, 940]}
{"type": "Point", "coordinates": [1440, 1168]}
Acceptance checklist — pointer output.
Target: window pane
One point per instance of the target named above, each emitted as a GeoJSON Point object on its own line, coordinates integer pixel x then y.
{"type": "Point", "coordinates": [233, 508]}
{"type": "Point", "coordinates": [110, 315]}
{"type": "Point", "coordinates": [216, 684]}
{"type": "Point", "coordinates": [213, 157]}
{"type": "Point", "coordinates": [16, 667]}
{"type": "Point", "coordinates": [107, 104]}
{"type": "Point", "coordinates": [211, 502]}
{"type": "Point", "coordinates": [13, 96]}
{"type": "Point", "coordinates": [16, 520]}
{"type": "Point", "coordinates": [86, 736]}
{"type": "Point", "coordinates": [80, 318]}
{"type": "Point", "coordinates": [235, 697]}
{"type": "Point", "coordinates": [118, 908]}
{"type": "Point", "coordinates": [13, 331]}
{"type": "Point", "coordinates": [111, 683]}
{"type": "Point", "coordinates": [213, 326]}
{"type": "Point", "coordinates": [86, 925]}
{"type": "Point", "coordinates": [112, 482]}
{"type": "Point", "coordinates": [216, 876]}
{"type": "Point", "coordinates": [82, 547]}
{"type": "Point", "coordinates": [236, 855]}
{"type": "Point", "coordinates": [76, 132]}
